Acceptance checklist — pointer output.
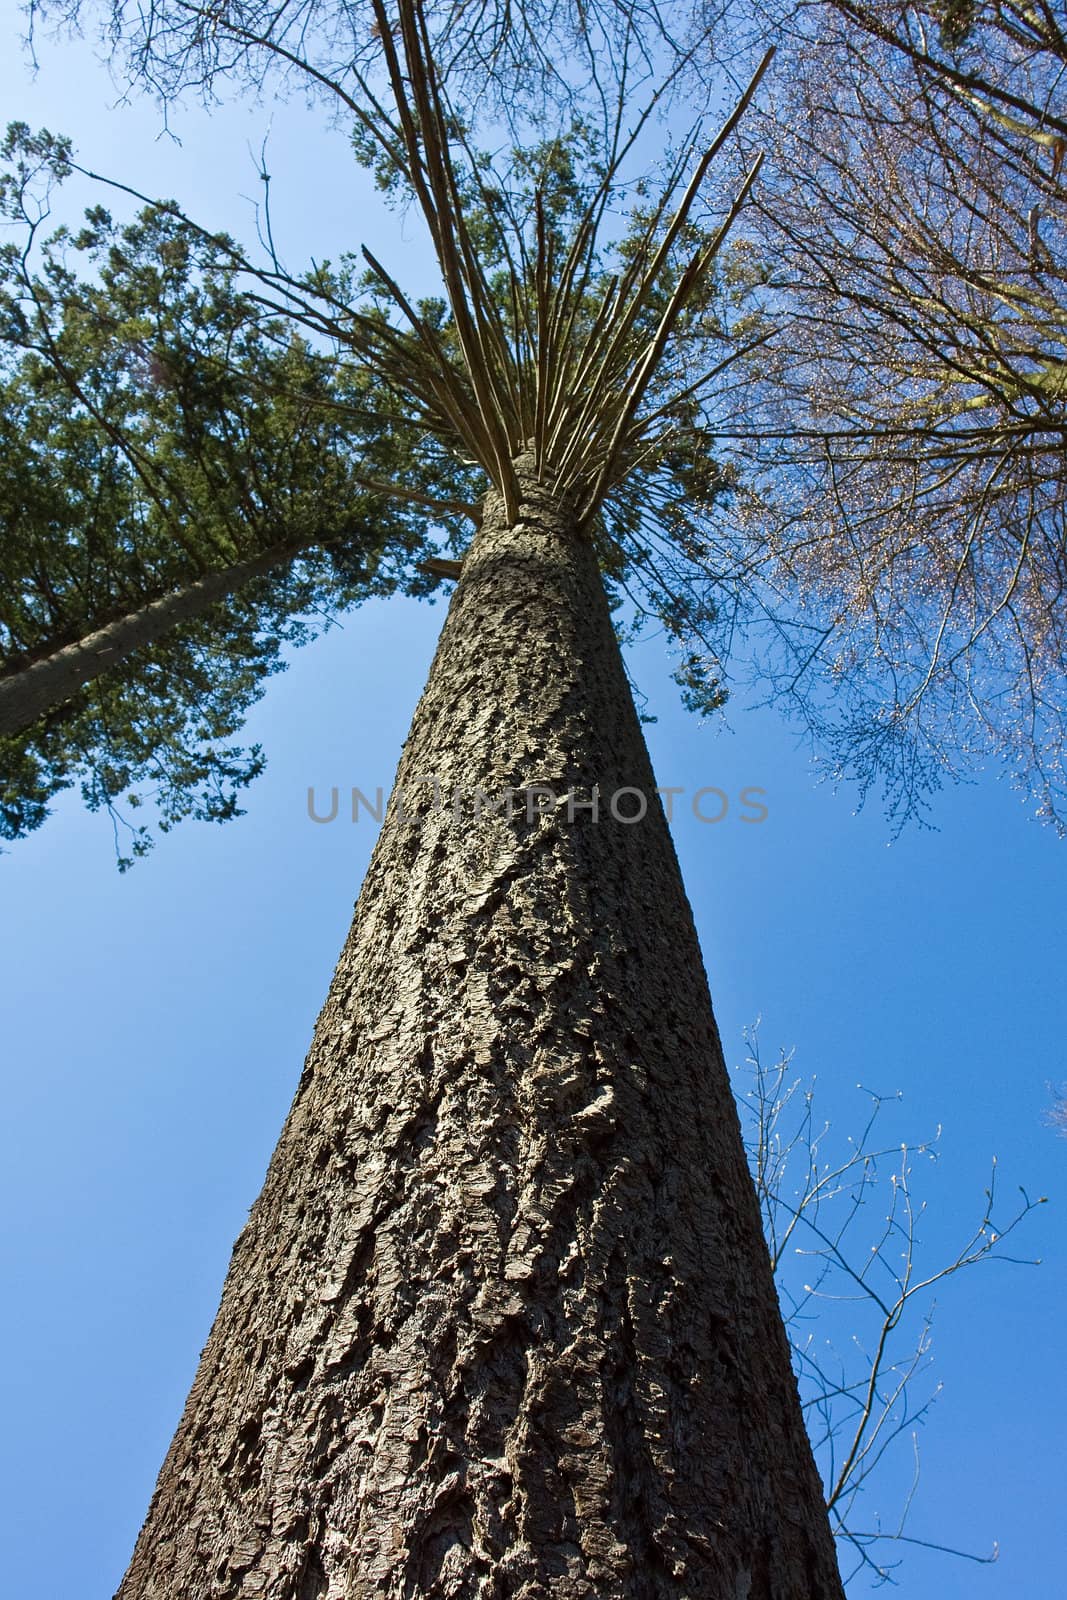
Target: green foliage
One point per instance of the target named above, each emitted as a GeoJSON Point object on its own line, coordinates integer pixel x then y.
{"type": "Point", "coordinates": [703, 691]}
{"type": "Point", "coordinates": [157, 427]}
{"type": "Point", "coordinates": [154, 730]}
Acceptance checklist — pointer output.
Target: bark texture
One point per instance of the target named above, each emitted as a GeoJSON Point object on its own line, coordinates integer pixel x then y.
{"type": "Point", "coordinates": [32, 691]}
{"type": "Point", "coordinates": [501, 1325]}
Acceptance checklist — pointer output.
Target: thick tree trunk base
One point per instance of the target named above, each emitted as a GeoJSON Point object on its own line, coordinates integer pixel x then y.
{"type": "Point", "coordinates": [502, 1325]}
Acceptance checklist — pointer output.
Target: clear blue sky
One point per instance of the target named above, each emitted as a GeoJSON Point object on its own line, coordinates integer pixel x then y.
{"type": "Point", "coordinates": [155, 1024]}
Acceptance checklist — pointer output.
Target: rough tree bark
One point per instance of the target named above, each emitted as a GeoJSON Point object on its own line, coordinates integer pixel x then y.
{"type": "Point", "coordinates": [30, 692]}
{"type": "Point", "coordinates": [502, 1323]}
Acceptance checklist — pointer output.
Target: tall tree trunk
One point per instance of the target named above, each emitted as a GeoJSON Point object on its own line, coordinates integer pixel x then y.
{"type": "Point", "coordinates": [32, 691]}
{"type": "Point", "coordinates": [501, 1325]}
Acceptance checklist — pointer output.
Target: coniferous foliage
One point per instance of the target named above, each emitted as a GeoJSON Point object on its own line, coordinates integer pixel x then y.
{"type": "Point", "coordinates": [185, 491]}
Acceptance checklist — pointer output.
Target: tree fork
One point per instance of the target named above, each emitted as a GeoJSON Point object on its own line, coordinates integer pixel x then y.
{"type": "Point", "coordinates": [502, 1325]}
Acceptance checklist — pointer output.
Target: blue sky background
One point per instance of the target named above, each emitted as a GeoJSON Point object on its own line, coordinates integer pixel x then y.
{"type": "Point", "coordinates": [155, 1024]}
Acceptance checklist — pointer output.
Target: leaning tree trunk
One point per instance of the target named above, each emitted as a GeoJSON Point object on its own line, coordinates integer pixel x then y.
{"type": "Point", "coordinates": [30, 692]}
{"type": "Point", "coordinates": [502, 1322]}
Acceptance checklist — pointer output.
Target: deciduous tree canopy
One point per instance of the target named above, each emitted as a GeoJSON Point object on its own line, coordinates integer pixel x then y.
{"type": "Point", "coordinates": [914, 415]}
